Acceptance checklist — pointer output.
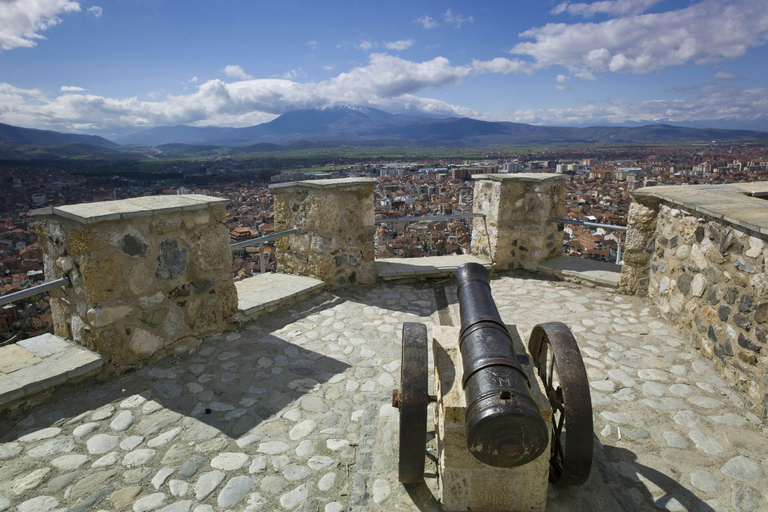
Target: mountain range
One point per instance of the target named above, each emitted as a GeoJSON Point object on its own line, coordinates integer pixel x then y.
{"type": "Point", "coordinates": [344, 125]}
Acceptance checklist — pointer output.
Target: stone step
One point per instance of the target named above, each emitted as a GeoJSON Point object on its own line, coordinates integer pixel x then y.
{"type": "Point", "coordinates": [37, 364]}
{"type": "Point", "coordinates": [431, 266]}
{"type": "Point", "coordinates": [265, 292]}
{"type": "Point", "coordinates": [600, 273]}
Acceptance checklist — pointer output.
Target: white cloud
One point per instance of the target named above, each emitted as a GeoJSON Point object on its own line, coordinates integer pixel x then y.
{"type": "Point", "coordinates": [710, 103]}
{"type": "Point", "coordinates": [192, 80]}
{"type": "Point", "coordinates": [561, 78]}
{"type": "Point", "coordinates": [96, 11]}
{"type": "Point", "coordinates": [21, 21]}
{"type": "Point", "coordinates": [456, 19]}
{"type": "Point", "coordinates": [312, 44]}
{"type": "Point", "coordinates": [563, 87]}
{"type": "Point", "coordinates": [71, 88]}
{"type": "Point", "coordinates": [292, 74]}
{"type": "Point", "coordinates": [610, 7]}
{"type": "Point", "coordinates": [427, 21]}
{"type": "Point", "coordinates": [501, 65]}
{"type": "Point", "coordinates": [399, 45]}
{"type": "Point", "coordinates": [365, 45]}
{"type": "Point", "coordinates": [329, 67]}
{"type": "Point", "coordinates": [704, 33]}
{"type": "Point", "coordinates": [236, 72]}
{"type": "Point", "coordinates": [725, 75]}
{"type": "Point", "coordinates": [386, 82]}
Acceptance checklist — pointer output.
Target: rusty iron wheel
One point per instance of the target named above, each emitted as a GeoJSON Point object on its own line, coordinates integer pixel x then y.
{"type": "Point", "coordinates": [414, 398]}
{"type": "Point", "coordinates": [558, 361]}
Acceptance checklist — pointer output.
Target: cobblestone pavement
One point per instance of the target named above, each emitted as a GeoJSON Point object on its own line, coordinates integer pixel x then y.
{"type": "Point", "coordinates": [292, 413]}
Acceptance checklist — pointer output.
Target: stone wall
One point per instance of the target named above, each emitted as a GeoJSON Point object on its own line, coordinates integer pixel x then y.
{"type": "Point", "coordinates": [149, 276]}
{"type": "Point", "coordinates": [702, 261]}
{"type": "Point", "coordinates": [518, 208]}
{"type": "Point", "coordinates": [336, 223]}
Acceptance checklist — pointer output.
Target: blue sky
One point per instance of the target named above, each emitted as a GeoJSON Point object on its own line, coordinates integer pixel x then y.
{"type": "Point", "coordinates": [118, 66]}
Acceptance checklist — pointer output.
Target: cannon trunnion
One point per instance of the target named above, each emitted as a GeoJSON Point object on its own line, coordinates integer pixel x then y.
{"type": "Point", "coordinates": [504, 427]}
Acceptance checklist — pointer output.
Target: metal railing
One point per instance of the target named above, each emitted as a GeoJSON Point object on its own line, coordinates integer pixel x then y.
{"type": "Point", "coordinates": [34, 290]}
{"type": "Point", "coordinates": [584, 223]}
{"type": "Point", "coordinates": [260, 241]}
{"type": "Point", "coordinates": [436, 218]}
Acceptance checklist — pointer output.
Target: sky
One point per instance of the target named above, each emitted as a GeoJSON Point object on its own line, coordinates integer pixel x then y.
{"type": "Point", "coordinates": [112, 67]}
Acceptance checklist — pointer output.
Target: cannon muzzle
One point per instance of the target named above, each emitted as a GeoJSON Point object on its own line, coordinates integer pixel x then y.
{"type": "Point", "coordinates": [503, 424]}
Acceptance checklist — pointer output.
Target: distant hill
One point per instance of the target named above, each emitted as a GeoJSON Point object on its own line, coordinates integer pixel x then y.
{"type": "Point", "coordinates": [29, 136]}
{"type": "Point", "coordinates": [369, 126]}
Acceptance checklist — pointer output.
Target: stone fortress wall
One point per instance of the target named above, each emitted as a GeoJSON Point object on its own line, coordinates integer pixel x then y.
{"type": "Point", "coordinates": [149, 275]}
{"type": "Point", "coordinates": [518, 208]}
{"type": "Point", "coordinates": [700, 254]}
{"type": "Point", "coordinates": [337, 227]}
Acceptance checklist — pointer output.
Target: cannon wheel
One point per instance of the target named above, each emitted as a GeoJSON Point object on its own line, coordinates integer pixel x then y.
{"type": "Point", "coordinates": [413, 401]}
{"type": "Point", "coordinates": [558, 361]}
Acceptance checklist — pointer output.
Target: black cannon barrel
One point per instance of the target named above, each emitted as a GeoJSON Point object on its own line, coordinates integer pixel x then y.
{"type": "Point", "coordinates": [504, 426]}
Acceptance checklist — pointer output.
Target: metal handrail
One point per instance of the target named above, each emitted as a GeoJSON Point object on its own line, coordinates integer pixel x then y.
{"type": "Point", "coordinates": [260, 241]}
{"type": "Point", "coordinates": [620, 229]}
{"type": "Point", "coordinates": [263, 239]}
{"type": "Point", "coordinates": [34, 290]}
{"type": "Point", "coordinates": [589, 224]}
{"type": "Point", "coordinates": [430, 218]}
{"type": "Point", "coordinates": [434, 218]}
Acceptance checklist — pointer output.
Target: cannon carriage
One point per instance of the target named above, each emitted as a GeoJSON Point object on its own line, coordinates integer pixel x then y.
{"type": "Point", "coordinates": [502, 421]}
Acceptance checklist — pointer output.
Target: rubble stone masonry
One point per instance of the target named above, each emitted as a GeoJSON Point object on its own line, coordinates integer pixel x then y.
{"type": "Point", "coordinates": [149, 275]}
{"type": "Point", "coordinates": [336, 223]}
{"type": "Point", "coordinates": [518, 208]}
{"type": "Point", "coordinates": [701, 254]}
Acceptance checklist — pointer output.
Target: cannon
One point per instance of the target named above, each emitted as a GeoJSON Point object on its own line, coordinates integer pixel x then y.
{"type": "Point", "coordinates": [504, 427]}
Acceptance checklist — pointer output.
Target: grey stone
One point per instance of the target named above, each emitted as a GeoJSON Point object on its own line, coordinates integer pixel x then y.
{"type": "Point", "coordinates": [10, 450]}
{"type": "Point", "coordinates": [229, 461]}
{"type": "Point", "coordinates": [53, 447]}
{"type": "Point", "coordinates": [381, 490]}
{"type": "Point", "coordinates": [684, 283]}
{"type": "Point", "coordinates": [675, 440]}
{"type": "Point", "coordinates": [272, 447]}
{"type": "Point", "coordinates": [744, 469]}
{"type": "Point", "coordinates": [39, 435]}
{"type": "Point", "coordinates": [5, 504]}
{"type": "Point", "coordinates": [192, 465]}
{"type": "Point", "coordinates": [234, 491]}
{"type": "Point", "coordinates": [38, 504]}
{"type": "Point", "coordinates": [179, 506]}
{"type": "Point", "coordinates": [319, 462]}
{"type": "Point", "coordinates": [69, 462]}
{"type": "Point", "coordinates": [151, 502]}
{"type": "Point", "coordinates": [291, 499]}
{"type": "Point", "coordinates": [688, 419]}
{"type": "Point", "coordinates": [122, 421]}
{"type": "Point", "coordinates": [132, 246]}
{"type": "Point", "coordinates": [293, 472]}
{"type": "Point", "coordinates": [169, 388]}
{"type": "Point", "coordinates": [705, 443]}
{"type": "Point", "coordinates": [159, 479]}
{"type": "Point", "coordinates": [704, 481]}
{"type": "Point", "coordinates": [327, 481]}
{"type": "Point", "coordinates": [178, 487]}
{"type": "Point", "coordinates": [138, 457]}
{"type": "Point", "coordinates": [744, 498]}
{"type": "Point", "coordinates": [92, 500]}
{"type": "Point", "coordinates": [171, 260]}
{"type": "Point", "coordinates": [207, 483]}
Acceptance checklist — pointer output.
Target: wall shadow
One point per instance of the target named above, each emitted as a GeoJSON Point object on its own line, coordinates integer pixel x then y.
{"type": "Point", "coordinates": [231, 383]}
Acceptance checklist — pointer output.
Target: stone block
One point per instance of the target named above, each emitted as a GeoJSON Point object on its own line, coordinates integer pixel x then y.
{"type": "Point", "coordinates": [133, 265]}
{"type": "Point", "coordinates": [464, 482]}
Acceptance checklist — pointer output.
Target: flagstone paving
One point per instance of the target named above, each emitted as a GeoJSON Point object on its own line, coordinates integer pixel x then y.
{"type": "Point", "coordinates": [292, 412]}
